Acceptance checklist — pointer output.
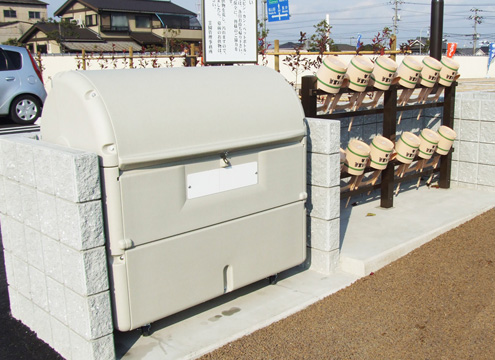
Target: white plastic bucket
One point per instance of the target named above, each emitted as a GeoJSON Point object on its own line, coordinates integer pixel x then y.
{"type": "Point", "coordinates": [381, 149]}
{"type": "Point", "coordinates": [383, 73]}
{"type": "Point", "coordinates": [431, 70]}
{"type": "Point", "coordinates": [359, 71]}
{"type": "Point", "coordinates": [448, 71]}
{"type": "Point", "coordinates": [356, 154]}
{"type": "Point", "coordinates": [409, 71]}
{"type": "Point", "coordinates": [429, 141]}
{"type": "Point", "coordinates": [447, 137]}
{"type": "Point", "coordinates": [331, 74]}
{"type": "Point", "coordinates": [407, 147]}
{"type": "Point", "coordinates": [342, 158]}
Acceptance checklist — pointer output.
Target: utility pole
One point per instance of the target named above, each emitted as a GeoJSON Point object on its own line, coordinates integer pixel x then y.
{"type": "Point", "coordinates": [396, 17]}
{"type": "Point", "coordinates": [477, 20]}
{"type": "Point", "coordinates": [327, 19]}
{"type": "Point", "coordinates": [265, 18]}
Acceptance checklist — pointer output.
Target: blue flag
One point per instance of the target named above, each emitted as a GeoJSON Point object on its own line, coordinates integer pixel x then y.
{"type": "Point", "coordinates": [491, 55]}
{"type": "Point", "coordinates": [358, 45]}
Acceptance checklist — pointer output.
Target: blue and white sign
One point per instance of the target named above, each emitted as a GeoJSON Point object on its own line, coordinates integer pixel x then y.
{"type": "Point", "coordinates": [491, 54]}
{"type": "Point", "coordinates": [278, 10]}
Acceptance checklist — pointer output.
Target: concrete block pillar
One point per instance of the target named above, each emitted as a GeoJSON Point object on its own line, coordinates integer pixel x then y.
{"type": "Point", "coordinates": [323, 194]}
{"type": "Point", "coordinates": [473, 160]}
{"type": "Point", "coordinates": [54, 246]}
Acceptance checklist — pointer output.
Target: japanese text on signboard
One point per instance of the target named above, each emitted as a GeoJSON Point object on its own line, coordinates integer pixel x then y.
{"type": "Point", "coordinates": [230, 31]}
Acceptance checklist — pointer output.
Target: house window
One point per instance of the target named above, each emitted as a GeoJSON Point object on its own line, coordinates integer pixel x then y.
{"type": "Point", "coordinates": [9, 13]}
{"type": "Point", "coordinates": [42, 48]}
{"type": "Point", "coordinates": [34, 15]}
{"type": "Point", "coordinates": [175, 22]}
{"type": "Point", "coordinates": [119, 22]}
{"type": "Point", "coordinates": [143, 22]}
{"type": "Point", "coordinates": [91, 20]}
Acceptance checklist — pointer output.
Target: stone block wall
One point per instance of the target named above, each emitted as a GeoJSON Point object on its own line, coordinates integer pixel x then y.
{"type": "Point", "coordinates": [473, 160]}
{"type": "Point", "coordinates": [323, 176]}
{"type": "Point", "coordinates": [54, 246]}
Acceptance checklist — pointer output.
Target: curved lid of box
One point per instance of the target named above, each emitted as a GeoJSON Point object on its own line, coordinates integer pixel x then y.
{"type": "Point", "coordinates": [138, 117]}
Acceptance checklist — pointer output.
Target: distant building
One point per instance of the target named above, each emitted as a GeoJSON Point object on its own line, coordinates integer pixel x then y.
{"type": "Point", "coordinates": [419, 46]}
{"type": "Point", "coordinates": [17, 16]}
{"type": "Point", "coordinates": [106, 25]}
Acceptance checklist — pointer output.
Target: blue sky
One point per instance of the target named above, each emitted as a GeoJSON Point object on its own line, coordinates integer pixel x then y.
{"type": "Point", "coordinates": [368, 17]}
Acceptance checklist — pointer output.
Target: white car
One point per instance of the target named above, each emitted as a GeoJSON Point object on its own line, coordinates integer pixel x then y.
{"type": "Point", "coordinates": [22, 92]}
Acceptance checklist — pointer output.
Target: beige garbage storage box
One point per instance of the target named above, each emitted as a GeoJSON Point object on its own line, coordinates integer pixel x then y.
{"type": "Point", "coordinates": [203, 174]}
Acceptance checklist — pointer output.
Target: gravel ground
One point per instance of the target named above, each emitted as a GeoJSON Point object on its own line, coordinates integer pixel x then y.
{"type": "Point", "coordinates": [438, 302]}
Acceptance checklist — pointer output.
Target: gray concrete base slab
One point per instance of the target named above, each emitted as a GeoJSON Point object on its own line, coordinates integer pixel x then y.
{"type": "Point", "coordinates": [202, 329]}
{"type": "Point", "coordinates": [373, 237]}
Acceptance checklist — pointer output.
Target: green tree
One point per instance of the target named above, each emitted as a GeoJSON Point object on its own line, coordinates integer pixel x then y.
{"type": "Point", "coordinates": [321, 38]}
{"type": "Point", "coordinates": [261, 35]}
{"type": "Point", "coordinates": [62, 30]}
{"type": "Point", "coordinates": [12, 41]}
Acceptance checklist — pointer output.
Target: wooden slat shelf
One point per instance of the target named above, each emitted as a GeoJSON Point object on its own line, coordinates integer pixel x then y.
{"type": "Point", "coordinates": [390, 111]}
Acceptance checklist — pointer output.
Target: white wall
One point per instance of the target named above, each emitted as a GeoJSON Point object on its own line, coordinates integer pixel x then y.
{"type": "Point", "coordinates": [471, 66]}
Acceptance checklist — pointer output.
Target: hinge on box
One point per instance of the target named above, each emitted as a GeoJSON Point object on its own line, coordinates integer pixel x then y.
{"type": "Point", "coordinates": [125, 244]}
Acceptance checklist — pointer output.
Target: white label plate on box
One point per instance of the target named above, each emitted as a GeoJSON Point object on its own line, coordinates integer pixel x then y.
{"type": "Point", "coordinates": [219, 180]}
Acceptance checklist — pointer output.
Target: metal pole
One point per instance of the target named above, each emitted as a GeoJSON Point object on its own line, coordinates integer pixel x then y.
{"type": "Point", "coordinates": [436, 26]}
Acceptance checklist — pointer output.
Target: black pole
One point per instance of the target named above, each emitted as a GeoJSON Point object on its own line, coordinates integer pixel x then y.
{"type": "Point", "coordinates": [436, 29]}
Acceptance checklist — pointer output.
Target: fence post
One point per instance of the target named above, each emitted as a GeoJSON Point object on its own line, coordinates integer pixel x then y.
{"type": "Point", "coordinates": [83, 55]}
{"type": "Point", "coordinates": [193, 55]}
{"type": "Point", "coordinates": [276, 56]}
{"type": "Point", "coordinates": [447, 120]}
{"type": "Point", "coordinates": [131, 59]}
{"type": "Point", "coordinates": [393, 46]}
{"type": "Point", "coordinates": [389, 131]}
{"type": "Point", "coordinates": [308, 95]}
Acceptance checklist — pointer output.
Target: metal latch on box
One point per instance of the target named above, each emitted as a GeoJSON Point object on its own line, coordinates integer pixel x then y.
{"type": "Point", "coordinates": [225, 162]}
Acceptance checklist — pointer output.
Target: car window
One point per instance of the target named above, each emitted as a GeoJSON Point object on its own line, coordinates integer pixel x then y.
{"type": "Point", "coordinates": [14, 60]}
{"type": "Point", "coordinates": [3, 61]}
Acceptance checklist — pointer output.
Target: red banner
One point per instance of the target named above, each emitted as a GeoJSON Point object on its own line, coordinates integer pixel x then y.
{"type": "Point", "coordinates": [451, 48]}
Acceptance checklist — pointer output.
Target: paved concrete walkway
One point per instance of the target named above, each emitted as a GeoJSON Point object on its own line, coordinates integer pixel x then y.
{"type": "Point", "coordinates": [371, 238]}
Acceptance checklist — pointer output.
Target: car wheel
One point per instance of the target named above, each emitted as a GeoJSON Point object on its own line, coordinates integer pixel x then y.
{"type": "Point", "coordinates": [25, 110]}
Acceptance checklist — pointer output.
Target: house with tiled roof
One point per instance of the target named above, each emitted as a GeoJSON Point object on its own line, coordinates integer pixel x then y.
{"type": "Point", "coordinates": [17, 16]}
{"type": "Point", "coordinates": [118, 25]}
